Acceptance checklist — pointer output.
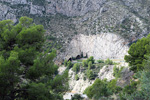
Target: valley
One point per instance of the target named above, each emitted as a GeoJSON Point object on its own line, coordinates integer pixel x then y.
{"type": "Point", "coordinates": [74, 49]}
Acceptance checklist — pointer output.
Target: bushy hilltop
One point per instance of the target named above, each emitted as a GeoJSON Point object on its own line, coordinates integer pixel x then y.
{"type": "Point", "coordinates": [64, 19]}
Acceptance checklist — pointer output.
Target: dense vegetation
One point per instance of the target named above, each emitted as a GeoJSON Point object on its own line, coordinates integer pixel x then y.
{"type": "Point", "coordinates": [139, 62]}
{"type": "Point", "coordinates": [138, 54]}
{"type": "Point", "coordinates": [139, 88]}
{"type": "Point", "coordinates": [89, 67]}
{"type": "Point", "coordinates": [26, 72]}
{"type": "Point", "coordinates": [102, 88]}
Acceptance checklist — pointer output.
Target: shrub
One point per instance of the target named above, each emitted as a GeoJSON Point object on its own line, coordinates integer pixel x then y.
{"type": "Point", "coordinates": [90, 74]}
{"type": "Point", "coordinates": [65, 62]}
{"type": "Point", "coordinates": [90, 65]}
{"type": "Point", "coordinates": [84, 63]}
{"type": "Point", "coordinates": [76, 77]}
{"type": "Point", "coordinates": [97, 90]}
{"type": "Point", "coordinates": [137, 54]}
{"type": "Point", "coordinates": [77, 97]}
{"type": "Point", "coordinates": [109, 62]}
{"type": "Point", "coordinates": [69, 64]}
{"type": "Point", "coordinates": [112, 86]}
{"type": "Point", "coordinates": [117, 72]}
{"type": "Point", "coordinates": [102, 88]}
{"type": "Point", "coordinates": [76, 68]}
{"type": "Point", "coordinates": [91, 59]}
{"type": "Point", "coordinates": [100, 61]}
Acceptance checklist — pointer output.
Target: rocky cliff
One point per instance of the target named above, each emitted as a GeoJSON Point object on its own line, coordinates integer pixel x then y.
{"type": "Point", "coordinates": [106, 72]}
{"type": "Point", "coordinates": [66, 20]}
{"type": "Point", "coordinates": [101, 46]}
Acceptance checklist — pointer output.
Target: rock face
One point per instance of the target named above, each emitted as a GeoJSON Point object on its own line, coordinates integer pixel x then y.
{"type": "Point", "coordinates": [126, 75]}
{"type": "Point", "coordinates": [14, 2]}
{"type": "Point", "coordinates": [66, 20]}
{"type": "Point", "coordinates": [5, 13]}
{"type": "Point", "coordinates": [74, 7]}
{"type": "Point", "coordinates": [106, 72]}
{"type": "Point", "coordinates": [36, 9]}
{"type": "Point", "coordinates": [100, 46]}
{"type": "Point", "coordinates": [80, 85]}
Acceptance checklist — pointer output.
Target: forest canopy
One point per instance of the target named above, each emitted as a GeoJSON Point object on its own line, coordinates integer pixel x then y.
{"type": "Point", "coordinates": [138, 53]}
{"type": "Point", "coordinates": [26, 72]}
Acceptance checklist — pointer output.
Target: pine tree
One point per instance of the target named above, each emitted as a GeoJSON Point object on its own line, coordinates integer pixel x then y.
{"type": "Point", "coordinates": [25, 71]}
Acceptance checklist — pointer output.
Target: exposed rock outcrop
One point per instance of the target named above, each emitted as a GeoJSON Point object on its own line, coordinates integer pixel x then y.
{"type": "Point", "coordinates": [5, 13]}
{"type": "Point", "coordinates": [35, 9]}
{"type": "Point", "coordinates": [100, 46]}
{"type": "Point", "coordinates": [126, 76]}
{"type": "Point", "coordinates": [106, 73]}
{"type": "Point", "coordinates": [80, 85]}
{"type": "Point", "coordinates": [126, 18]}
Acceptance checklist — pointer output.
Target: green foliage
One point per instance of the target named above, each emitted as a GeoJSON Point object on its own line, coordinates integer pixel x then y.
{"type": "Point", "coordinates": [60, 83]}
{"type": "Point", "coordinates": [77, 97]}
{"type": "Point", "coordinates": [84, 63]}
{"type": "Point", "coordinates": [97, 90]}
{"type": "Point", "coordinates": [91, 59]}
{"type": "Point", "coordinates": [65, 62]}
{"type": "Point", "coordinates": [128, 90]}
{"type": "Point", "coordinates": [100, 61]}
{"type": "Point", "coordinates": [76, 77]}
{"type": "Point", "coordinates": [38, 91]}
{"type": "Point", "coordinates": [137, 54]}
{"type": "Point", "coordinates": [90, 74]}
{"type": "Point", "coordinates": [90, 65]}
{"type": "Point", "coordinates": [76, 68]}
{"type": "Point", "coordinates": [109, 62]}
{"type": "Point", "coordinates": [102, 88]}
{"type": "Point", "coordinates": [139, 62]}
{"type": "Point", "coordinates": [139, 90]}
{"type": "Point", "coordinates": [112, 86]}
{"type": "Point", "coordinates": [69, 64]}
{"type": "Point", "coordinates": [117, 72]}
{"type": "Point", "coordinates": [25, 70]}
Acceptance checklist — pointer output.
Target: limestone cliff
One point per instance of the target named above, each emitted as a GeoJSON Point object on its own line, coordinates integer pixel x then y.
{"type": "Point", "coordinates": [101, 46]}
{"type": "Point", "coordinates": [66, 20]}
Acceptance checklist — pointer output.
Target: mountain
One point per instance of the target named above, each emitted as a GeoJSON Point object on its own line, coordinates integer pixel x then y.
{"type": "Point", "coordinates": [99, 28]}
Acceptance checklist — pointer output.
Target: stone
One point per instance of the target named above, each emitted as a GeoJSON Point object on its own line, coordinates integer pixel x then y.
{"type": "Point", "coordinates": [34, 9]}
{"type": "Point", "coordinates": [106, 73]}
{"type": "Point", "coordinates": [101, 46]}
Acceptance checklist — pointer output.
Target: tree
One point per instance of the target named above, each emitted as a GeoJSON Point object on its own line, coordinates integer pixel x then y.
{"type": "Point", "coordinates": [139, 90]}
{"type": "Point", "coordinates": [117, 71]}
{"type": "Point", "coordinates": [109, 62]}
{"type": "Point", "coordinates": [91, 59]}
{"type": "Point", "coordinates": [76, 77]}
{"type": "Point", "coordinates": [76, 67]}
{"type": "Point", "coordinates": [69, 64]}
{"type": "Point", "coordinates": [97, 90]}
{"type": "Point", "coordinates": [90, 74]}
{"type": "Point", "coordinates": [137, 54]}
{"type": "Point", "coordinates": [100, 61]}
{"type": "Point", "coordinates": [102, 88]}
{"type": "Point", "coordinates": [65, 62]}
{"type": "Point", "coordinates": [77, 97]}
{"type": "Point", "coordinates": [90, 65]}
{"type": "Point", "coordinates": [84, 63]}
{"type": "Point", "coordinates": [25, 71]}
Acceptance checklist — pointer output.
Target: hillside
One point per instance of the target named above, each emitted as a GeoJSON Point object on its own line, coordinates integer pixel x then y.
{"type": "Point", "coordinates": [101, 49]}
{"type": "Point", "coordinates": [64, 19]}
